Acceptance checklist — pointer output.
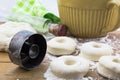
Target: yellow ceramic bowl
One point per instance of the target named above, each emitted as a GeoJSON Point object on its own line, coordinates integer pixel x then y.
{"type": "Point", "coordinates": [89, 18]}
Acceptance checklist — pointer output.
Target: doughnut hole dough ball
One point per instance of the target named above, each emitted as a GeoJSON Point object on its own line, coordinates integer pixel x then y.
{"type": "Point", "coordinates": [94, 50]}
{"type": "Point", "coordinates": [109, 66]}
{"type": "Point", "coordinates": [61, 46]}
{"type": "Point", "coordinates": [69, 67]}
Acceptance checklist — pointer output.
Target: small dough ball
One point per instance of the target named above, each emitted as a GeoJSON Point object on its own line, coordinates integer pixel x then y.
{"type": "Point", "coordinates": [109, 66]}
{"type": "Point", "coordinates": [94, 50]}
{"type": "Point", "coordinates": [69, 67]}
{"type": "Point", "coordinates": [61, 46]}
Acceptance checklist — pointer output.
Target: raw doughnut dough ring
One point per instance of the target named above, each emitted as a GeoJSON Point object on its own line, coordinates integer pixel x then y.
{"type": "Point", "coordinates": [94, 50]}
{"type": "Point", "coordinates": [69, 67]}
{"type": "Point", "coordinates": [109, 66]}
{"type": "Point", "coordinates": [61, 46]}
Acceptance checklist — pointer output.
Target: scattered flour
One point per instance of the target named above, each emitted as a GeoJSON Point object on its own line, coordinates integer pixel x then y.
{"type": "Point", "coordinates": [114, 42]}
{"type": "Point", "coordinates": [50, 76]}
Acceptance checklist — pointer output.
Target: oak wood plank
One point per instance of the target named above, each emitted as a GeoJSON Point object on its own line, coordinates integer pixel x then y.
{"type": "Point", "coordinates": [4, 58]}
{"type": "Point", "coordinates": [10, 71]}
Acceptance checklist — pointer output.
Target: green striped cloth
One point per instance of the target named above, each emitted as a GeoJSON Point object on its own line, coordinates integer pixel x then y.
{"type": "Point", "coordinates": [30, 7]}
{"type": "Point", "coordinates": [34, 13]}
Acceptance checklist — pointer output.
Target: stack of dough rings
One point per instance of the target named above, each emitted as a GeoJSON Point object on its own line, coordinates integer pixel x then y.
{"type": "Point", "coordinates": [109, 66]}
{"type": "Point", "coordinates": [94, 50]}
{"type": "Point", "coordinates": [61, 46]}
{"type": "Point", "coordinates": [69, 67]}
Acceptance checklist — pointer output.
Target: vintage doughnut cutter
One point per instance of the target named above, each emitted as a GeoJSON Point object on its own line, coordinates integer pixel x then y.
{"type": "Point", "coordinates": [27, 49]}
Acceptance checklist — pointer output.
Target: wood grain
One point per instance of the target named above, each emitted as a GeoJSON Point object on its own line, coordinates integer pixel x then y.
{"type": "Point", "coordinates": [10, 71]}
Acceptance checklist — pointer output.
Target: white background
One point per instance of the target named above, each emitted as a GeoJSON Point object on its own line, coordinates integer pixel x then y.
{"type": "Point", "coordinates": [6, 5]}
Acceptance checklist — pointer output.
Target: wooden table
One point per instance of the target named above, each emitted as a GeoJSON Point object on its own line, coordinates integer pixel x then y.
{"type": "Point", "coordinates": [10, 71]}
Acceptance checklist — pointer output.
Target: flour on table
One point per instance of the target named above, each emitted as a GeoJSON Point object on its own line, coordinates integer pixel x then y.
{"type": "Point", "coordinates": [110, 40]}
{"type": "Point", "coordinates": [50, 76]}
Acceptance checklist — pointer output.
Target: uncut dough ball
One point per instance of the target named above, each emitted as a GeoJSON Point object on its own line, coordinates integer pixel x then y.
{"type": "Point", "coordinates": [94, 50]}
{"type": "Point", "coordinates": [109, 66]}
{"type": "Point", "coordinates": [69, 67]}
{"type": "Point", "coordinates": [61, 46]}
{"type": "Point", "coordinates": [8, 30]}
